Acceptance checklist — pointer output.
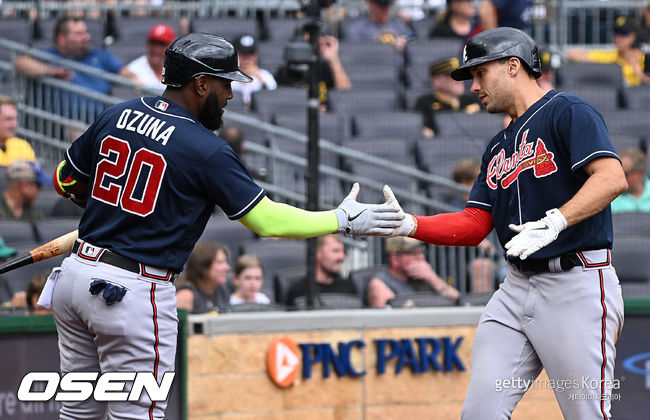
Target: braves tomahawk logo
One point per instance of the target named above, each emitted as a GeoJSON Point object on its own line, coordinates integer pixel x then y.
{"type": "Point", "coordinates": [507, 169]}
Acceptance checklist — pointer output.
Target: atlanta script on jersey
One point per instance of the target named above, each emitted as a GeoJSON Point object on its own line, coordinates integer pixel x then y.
{"type": "Point", "coordinates": [535, 165]}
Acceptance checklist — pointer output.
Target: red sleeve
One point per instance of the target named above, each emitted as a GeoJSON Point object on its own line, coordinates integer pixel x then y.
{"type": "Point", "coordinates": [466, 228]}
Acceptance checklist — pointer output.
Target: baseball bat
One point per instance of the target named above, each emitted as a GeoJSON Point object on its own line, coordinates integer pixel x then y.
{"type": "Point", "coordinates": [55, 247]}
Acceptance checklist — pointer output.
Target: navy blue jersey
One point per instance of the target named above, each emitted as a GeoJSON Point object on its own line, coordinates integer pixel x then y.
{"type": "Point", "coordinates": [535, 164]}
{"type": "Point", "coordinates": [155, 174]}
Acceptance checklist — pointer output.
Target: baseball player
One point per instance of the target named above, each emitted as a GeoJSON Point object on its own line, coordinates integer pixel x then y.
{"type": "Point", "coordinates": [545, 185]}
{"type": "Point", "coordinates": [150, 172]}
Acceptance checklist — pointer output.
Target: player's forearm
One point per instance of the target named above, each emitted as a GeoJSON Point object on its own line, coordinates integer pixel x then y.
{"type": "Point", "coordinates": [466, 228]}
{"type": "Point", "coordinates": [606, 181]}
{"type": "Point", "coordinates": [269, 218]}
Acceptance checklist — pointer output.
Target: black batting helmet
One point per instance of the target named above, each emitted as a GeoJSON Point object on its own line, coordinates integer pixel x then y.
{"type": "Point", "coordinates": [497, 43]}
{"type": "Point", "coordinates": [197, 53]}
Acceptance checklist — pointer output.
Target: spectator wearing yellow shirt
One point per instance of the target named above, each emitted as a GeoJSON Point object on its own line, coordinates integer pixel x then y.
{"type": "Point", "coordinates": [11, 148]}
{"type": "Point", "coordinates": [635, 65]}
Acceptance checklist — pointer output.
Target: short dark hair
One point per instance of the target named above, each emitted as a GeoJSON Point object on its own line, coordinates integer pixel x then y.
{"type": "Point", "coordinates": [62, 25]}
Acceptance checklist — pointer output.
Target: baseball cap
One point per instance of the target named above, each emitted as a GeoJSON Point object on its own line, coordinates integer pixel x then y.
{"type": "Point", "coordinates": [162, 33]}
{"type": "Point", "coordinates": [444, 66]}
{"type": "Point", "coordinates": [623, 27]}
{"type": "Point", "coordinates": [382, 3]}
{"type": "Point", "coordinates": [401, 244]}
{"type": "Point", "coordinates": [22, 170]}
{"type": "Point", "coordinates": [245, 44]}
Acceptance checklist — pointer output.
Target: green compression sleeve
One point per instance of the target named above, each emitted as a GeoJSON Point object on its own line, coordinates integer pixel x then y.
{"type": "Point", "coordinates": [269, 218]}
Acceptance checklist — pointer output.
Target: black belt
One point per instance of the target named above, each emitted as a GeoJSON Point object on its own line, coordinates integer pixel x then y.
{"type": "Point", "coordinates": [557, 264]}
{"type": "Point", "coordinates": [108, 257]}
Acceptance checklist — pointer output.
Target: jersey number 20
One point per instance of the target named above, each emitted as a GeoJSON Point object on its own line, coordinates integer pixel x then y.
{"type": "Point", "coordinates": [115, 164]}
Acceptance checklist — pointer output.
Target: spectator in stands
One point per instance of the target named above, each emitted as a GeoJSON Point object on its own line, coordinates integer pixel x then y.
{"type": "Point", "coordinates": [331, 73]}
{"type": "Point", "coordinates": [248, 279]}
{"type": "Point", "coordinates": [34, 289]}
{"type": "Point", "coordinates": [643, 36]}
{"type": "Point", "coordinates": [481, 268]}
{"type": "Point", "coordinates": [635, 65]}
{"type": "Point", "coordinates": [246, 46]}
{"type": "Point", "coordinates": [408, 272]}
{"type": "Point", "coordinates": [549, 62]}
{"type": "Point", "coordinates": [465, 172]}
{"type": "Point", "coordinates": [410, 10]}
{"type": "Point", "coordinates": [234, 137]}
{"type": "Point", "coordinates": [148, 67]}
{"type": "Point", "coordinates": [447, 95]}
{"type": "Point", "coordinates": [11, 148]}
{"type": "Point", "coordinates": [380, 26]}
{"type": "Point", "coordinates": [72, 41]}
{"type": "Point", "coordinates": [513, 13]}
{"type": "Point", "coordinates": [330, 254]}
{"type": "Point", "coordinates": [203, 286]}
{"type": "Point", "coordinates": [456, 22]}
{"type": "Point", "coordinates": [24, 182]}
{"type": "Point", "coordinates": [637, 196]}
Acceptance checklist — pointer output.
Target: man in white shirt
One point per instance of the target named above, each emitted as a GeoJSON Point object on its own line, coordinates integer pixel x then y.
{"type": "Point", "coordinates": [148, 67]}
{"type": "Point", "coordinates": [246, 47]}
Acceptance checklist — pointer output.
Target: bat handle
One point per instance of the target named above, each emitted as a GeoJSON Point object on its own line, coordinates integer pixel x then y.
{"type": "Point", "coordinates": [18, 262]}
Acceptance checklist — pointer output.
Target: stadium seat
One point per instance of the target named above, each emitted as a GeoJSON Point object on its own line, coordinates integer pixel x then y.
{"type": "Point", "coordinates": [631, 223]}
{"type": "Point", "coordinates": [227, 27]}
{"type": "Point", "coordinates": [429, 50]}
{"type": "Point", "coordinates": [331, 301]}
{"type": "Point", "coordinates": [135, 30]}
{"type": "Point", "coordinates": [361, 277]}
{"type": "Point", "coordinates": [352, 101]}
{"type": "Point", "coordinates": [423, 27]}
{"type": "Point", "coordinates": [18, 30]}
{"type": "Point", "coordinates": [604, 98]}
{"type": "Point", "coordinates": [575, 74]}
{"type": "Point", "coordinates": [637, 97]}
{"type": "Point", "coordinates": [418, 300]}
{"type": "Point", "coordinates": [332, 126]}
{"type": "Point", "coordinates": [417, 77]}
{"type": "Point", "coordinates": [365, 76]}
{"type": "Point", "coordinates": [46, 201]}
{"type": "Point", "coordinates": [20, 277]}
{"type": "Point", "coordinates": [17, 231]}
{"type": "Point", "coordinates": [367, 53]}
{"type": "Point", "coordinates": [270, 56]}
{"type": "Point", "coordinates": [284, 278]}
{"type": "Point", "coordinates": [227, 232]}
{"type": "Point", "coordinates": [474, 299]}
{"type": "Point", "coordinates": [480, 124]}
{"type": "Point", "coordinates": [631, 122]}
{"type": "Point", "coordinates": [51, 228]}
{"type": "Point", "coordinates": [622, 141]}
{"type": "Point", "coordinates": [405, 125]}
{"type": "Point", "coordinates": [275, 254]}
{"type": "Point", "coordinates": [127, 50]}
{"type": "Point", "coordinates": [630, 258]}
{"type": "Point", "coordinates": [282, 30]}
{"type": "Point", "coordinates": [432, 152]}
{"type": "Point", "coordinates": [267, 103]}
{"type": "Point", "coordinates": [390, 148]}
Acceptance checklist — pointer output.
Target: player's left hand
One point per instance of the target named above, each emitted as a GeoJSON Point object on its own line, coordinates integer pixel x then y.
{"type": "Point", "coordinates": [533, 236]}
{"type": "Point", "coordinates": [407, 228]}
{"type": "Point", "coordinates": [363, 219]}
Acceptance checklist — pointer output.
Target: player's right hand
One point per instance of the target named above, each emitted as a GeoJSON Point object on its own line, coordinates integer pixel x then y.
{"type": "Point", "coordinates": [363, 219]}
{"type": "Point", "coordinates": [408, 224]}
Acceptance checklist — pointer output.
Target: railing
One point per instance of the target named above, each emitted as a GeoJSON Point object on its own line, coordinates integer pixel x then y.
{"type": "Point", "coordinates": [50, 124]}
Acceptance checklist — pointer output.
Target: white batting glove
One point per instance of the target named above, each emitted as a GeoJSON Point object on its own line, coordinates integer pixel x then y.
{"type": "Point", "coordinates": [533, 236]}
{"type": "Point", "coordinates": [408, 224]}
{"type": "Point", "coordinates": [366, 219]}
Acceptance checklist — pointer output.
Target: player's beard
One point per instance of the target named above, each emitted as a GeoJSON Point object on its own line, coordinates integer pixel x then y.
{"type": "Point", "coordinates": [210, 114]}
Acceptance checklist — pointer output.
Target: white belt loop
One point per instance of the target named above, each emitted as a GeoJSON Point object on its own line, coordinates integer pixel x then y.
{"type": "Point", "coordinates": [555, 264]}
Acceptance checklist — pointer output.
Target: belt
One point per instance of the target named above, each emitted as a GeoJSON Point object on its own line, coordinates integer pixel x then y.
{"type": "Point", "coordinates": [90, 252]}
{"type": "Point", "coordinates": [553, 265]}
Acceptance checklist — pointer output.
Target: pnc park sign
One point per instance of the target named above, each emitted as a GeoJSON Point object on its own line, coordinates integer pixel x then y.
{"type": "Point", "coordinates": [419, 355]}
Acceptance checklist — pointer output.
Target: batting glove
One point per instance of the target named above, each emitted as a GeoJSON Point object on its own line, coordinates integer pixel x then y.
{"type": "Point", "coordinates": [366, 219]}
{"type": "Point", "coordinates": [533, 236]}
{"type": "Point", "coordinates": [407, 228]}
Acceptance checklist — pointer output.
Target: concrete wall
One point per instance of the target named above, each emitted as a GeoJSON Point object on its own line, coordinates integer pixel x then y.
{"type": "Point", "coordinates": [228, 377]}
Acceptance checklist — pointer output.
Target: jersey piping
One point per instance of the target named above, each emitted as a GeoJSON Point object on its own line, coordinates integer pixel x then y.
{"type": "Point", "coordinates": [247, 206]}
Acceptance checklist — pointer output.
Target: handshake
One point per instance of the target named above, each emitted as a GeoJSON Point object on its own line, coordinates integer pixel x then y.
{"type": "Point", "coordinates": [361, 219]}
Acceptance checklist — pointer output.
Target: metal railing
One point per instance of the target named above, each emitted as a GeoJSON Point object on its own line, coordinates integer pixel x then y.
{"type": "Point", "coordinates": [50, 124]}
